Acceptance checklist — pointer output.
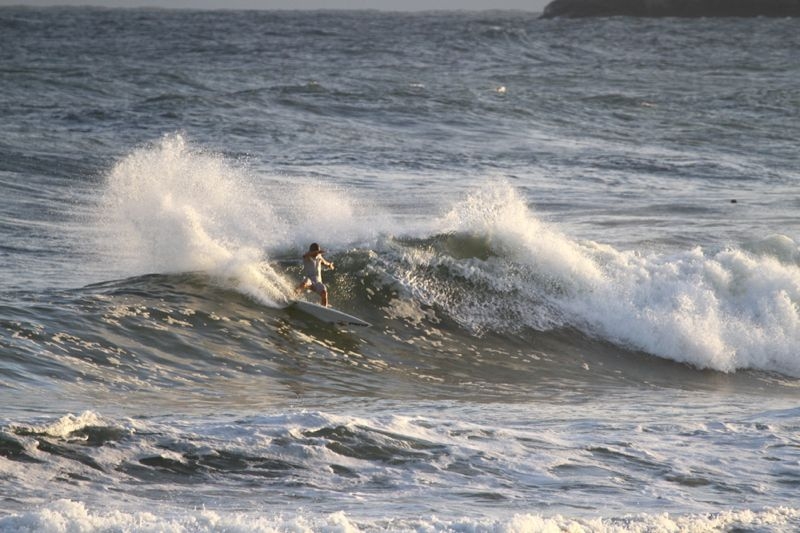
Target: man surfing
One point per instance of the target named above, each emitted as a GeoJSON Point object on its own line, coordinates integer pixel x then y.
{"type": "Point", "coordinates": [312, 270]}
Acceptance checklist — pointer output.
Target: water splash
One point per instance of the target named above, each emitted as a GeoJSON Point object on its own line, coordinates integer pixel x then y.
{"type": "Point", "coordinates": [169, 208]}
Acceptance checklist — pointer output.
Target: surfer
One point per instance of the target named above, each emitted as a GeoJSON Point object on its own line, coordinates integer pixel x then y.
{"type": "Point", "coordinates": [312, 270]}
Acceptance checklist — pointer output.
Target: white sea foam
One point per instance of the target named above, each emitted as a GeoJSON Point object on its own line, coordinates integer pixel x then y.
{"type": "Point", "coordinates": [65, 425]}
{"type": "Point", "coordinates": [726, 310]}
{"type": "Point", "coordinates": [69, 515]}
{"type": "Point", "coordinates": [461, 451]}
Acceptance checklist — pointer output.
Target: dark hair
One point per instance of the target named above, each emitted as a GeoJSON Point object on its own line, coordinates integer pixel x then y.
{"type": "Point", "coordinates": [314, 247]}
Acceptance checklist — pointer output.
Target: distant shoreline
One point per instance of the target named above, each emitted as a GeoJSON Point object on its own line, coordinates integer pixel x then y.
{"type": "Point", "coordinates": [672, 8]}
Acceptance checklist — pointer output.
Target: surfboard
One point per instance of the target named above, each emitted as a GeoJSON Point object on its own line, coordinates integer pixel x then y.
{"type": "Point", "coordinates": [328, 314]}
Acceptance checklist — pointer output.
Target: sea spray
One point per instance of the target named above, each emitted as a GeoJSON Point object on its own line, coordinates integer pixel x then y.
{"type": "Point", "coordinates": [498, 212]}
{"type": "Point", "coordinates": [169, 208]}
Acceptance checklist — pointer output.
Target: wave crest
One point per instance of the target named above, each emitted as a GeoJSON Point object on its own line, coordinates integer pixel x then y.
{"type": "Point", "coordinates": [726, 310]}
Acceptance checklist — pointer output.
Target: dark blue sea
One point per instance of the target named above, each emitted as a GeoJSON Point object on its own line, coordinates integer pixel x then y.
{"type": "Point", "coordinates": [576, 241]}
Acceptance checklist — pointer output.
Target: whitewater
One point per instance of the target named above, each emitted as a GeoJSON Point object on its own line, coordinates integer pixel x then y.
{"type": "Point", "coordinates": [576, 241]}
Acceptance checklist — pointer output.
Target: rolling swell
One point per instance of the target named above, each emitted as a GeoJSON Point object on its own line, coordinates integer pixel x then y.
{"type": "Point", "coordinates": [206, 343]}
{"type": "Point", "coordinates": [451, 312]}
{"type": "Point", "coordinates": [486, 296]}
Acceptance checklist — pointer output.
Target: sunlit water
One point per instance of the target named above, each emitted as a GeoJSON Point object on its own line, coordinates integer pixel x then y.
{"type": "Point", "coordinates": [575, 240]}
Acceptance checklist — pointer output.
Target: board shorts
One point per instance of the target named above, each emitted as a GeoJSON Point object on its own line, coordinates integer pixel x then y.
{"type": "Point", "coordinates": [317, 285]}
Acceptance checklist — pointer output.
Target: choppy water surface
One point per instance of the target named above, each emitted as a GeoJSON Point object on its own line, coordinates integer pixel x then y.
{"type": "Point", "coordinates": [576, 241]}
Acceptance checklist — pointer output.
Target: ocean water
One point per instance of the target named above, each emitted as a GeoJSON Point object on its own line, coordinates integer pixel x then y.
{"type": "Point", "coordinates": [577, 241]}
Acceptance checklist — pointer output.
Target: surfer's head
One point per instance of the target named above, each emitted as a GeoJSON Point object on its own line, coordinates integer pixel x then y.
{"type": "Point", "coordinates": [315, 248]}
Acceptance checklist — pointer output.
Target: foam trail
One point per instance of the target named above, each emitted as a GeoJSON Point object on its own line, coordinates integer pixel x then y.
{"type": "Point", "coordinates": [168, 208]}
{"type": "Point", "coordinates": [728, 310]}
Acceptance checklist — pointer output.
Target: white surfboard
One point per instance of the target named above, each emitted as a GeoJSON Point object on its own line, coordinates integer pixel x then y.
{"type": "Point", "coordinates": [328, 314]}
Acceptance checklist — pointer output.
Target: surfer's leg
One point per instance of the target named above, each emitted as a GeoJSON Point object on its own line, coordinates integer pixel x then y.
{"type": "Point", "coordinates": [322, 290]}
